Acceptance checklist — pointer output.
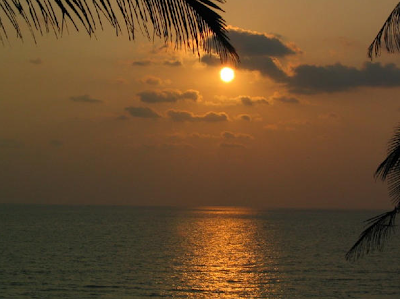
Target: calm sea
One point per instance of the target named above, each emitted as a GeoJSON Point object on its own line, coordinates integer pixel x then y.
{"type": "Point", "coordinates": [130, 252]}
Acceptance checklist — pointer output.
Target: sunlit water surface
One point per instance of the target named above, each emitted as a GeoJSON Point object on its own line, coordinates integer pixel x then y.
{"type": "Point", "coordinates": [130, 252]}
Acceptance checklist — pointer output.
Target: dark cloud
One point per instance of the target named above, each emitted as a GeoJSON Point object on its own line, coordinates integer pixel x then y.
{"type": "Point", "coordinates": [172, 63]}
{"type": "Point", "coordinates": [311, 79]}
{"type": "Point", "coordinates": [142, 112]}
{"type": "Point", "coordinates": [244, 117]}
{"type": "Point", "coordinates": [251, 101]}
{"type": "Point", "coordinates": [211, 60]}
{"type": "Point", "coordinates": [151, 80]}
{"type": "Point", "coordinates": [286, 100]}
{"type": "Point", "coordinates": [168, 96]}
{"type": "Point", "coordinates": [258, 52]}
{"type": "Point", "coordinates": [36, 61]}
{"type": "Point", "coordinates": [251, 43]}
{"type": "Point", "coordinates": [267, 66]}
{"type": "Point", "coordinates": [182, 116]}
{"type": "Point", "coordinates": [85, 99]}
{"type": "Point", "coordinates": [141, 63]}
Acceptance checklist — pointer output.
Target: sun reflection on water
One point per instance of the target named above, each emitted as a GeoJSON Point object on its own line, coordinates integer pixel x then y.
{"type": "Point", "coordinates": [226, 254]}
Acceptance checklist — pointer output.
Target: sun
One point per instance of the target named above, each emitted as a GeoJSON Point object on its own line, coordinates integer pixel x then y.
{"type": "Point", "coordinates": [227, 74]}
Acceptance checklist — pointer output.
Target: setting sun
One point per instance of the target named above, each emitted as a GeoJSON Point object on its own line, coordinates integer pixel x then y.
{"type": "Point", "coordinates": [227, 74]}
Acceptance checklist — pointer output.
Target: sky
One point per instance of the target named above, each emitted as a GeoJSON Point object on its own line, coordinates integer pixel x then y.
{"type": "Point", "coordinates": [109, 121]}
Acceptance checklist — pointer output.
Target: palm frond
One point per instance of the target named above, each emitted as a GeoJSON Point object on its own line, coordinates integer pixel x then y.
{"type": "Point", "coordinates": [373, 237]}
{"type": "Point", "coordinates": [389, 169]}
{"type": "Point", "coordinates": [186, 23]}
{"type": "Point", "coordinates": [389, 34]}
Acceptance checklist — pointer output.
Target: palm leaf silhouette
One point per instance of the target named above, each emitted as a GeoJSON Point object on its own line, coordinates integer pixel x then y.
{"type": "Point", "coordinates": [382, 226]}
{"type": "Point", "coordinates": [389, 169]}
{"type": "Point", "coordinates": [186, 23]}
{"type": "Point", "coordinates": [379, 229]}
{"type": "Point", "coordinates": [389, 35]}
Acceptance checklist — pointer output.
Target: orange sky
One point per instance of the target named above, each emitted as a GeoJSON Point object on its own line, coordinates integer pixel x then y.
{"type": "Point", "coordinates": [108, 121]}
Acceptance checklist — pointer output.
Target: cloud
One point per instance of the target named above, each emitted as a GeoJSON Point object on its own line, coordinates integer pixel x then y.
{"type": "Point", "coordinates": [312, 79]}
{"type": "Point", "coordinates": [251, 101]}
{"type": "Point", "coordinates": [36, 61]}
{"type": "Point", "coordinates": [173, 63]}
{"type": "Point", "coordinates": [267, 66]}
{"type": "Point", "coordinates": [85, 99]}
{"type": "Point", "coordinates": [244, 117]}
{"type": "Point", "coordinates": [211, 60]}
{"type": "Point", "coordinates": [168, 96]}
{"type": "Point", "coordinates": [141, 62]}
{"type": "Point", "coordinates": [182, 116]}
{"type": "Point", "coordinates": [263, 53]}
{"type": "Point", "coordinates": [285, 100]}
{"type": "Point", "coordinates": [152, 80]}
{"type": "Point", "coordinates": [142, 112]}
{"type": "Point", "coordinates": [230, 136]}
{"type": "Point", "coordinates": [252, 43]}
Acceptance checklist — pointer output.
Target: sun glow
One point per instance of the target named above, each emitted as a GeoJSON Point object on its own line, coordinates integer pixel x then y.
{"type": "Point", "coordinates": [227, 74]}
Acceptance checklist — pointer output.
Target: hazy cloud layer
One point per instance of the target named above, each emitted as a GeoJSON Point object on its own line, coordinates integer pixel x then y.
{"type": "Point", "coordinates": [85, 99]}
{"type": "Point", "coordinates": [168, 96]}
{"type": "Point", "coordinates": [182, 116]}
{"type": "Point", "coordinates": [142, 112]}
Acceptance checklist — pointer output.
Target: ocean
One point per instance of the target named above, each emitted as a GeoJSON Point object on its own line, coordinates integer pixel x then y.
{"type": "Point", "coordinates": [212, 252]}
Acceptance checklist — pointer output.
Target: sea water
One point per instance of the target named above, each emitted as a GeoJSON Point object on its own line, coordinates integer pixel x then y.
{"type": "Point", "coordinates": [141, 252]}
